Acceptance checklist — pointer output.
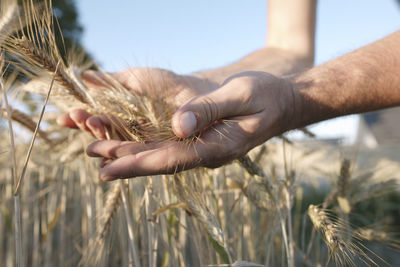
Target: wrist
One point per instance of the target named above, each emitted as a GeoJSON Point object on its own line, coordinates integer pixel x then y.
{"type": "Point", "coordinates": [293, 114]}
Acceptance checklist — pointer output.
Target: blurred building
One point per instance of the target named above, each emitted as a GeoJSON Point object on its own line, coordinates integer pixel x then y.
{"type": "Point", "coordinates": [379, 128]}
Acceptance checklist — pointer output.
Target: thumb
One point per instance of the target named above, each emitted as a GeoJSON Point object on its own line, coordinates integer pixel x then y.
{"type": "Point", "coordinates": [204, 110]}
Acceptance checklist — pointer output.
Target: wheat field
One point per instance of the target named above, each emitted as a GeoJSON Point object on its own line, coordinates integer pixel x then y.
{"type": "Point", "coordinates": [284, 204]}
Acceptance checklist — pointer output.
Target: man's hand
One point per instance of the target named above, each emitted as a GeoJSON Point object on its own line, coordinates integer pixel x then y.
{"type": "Point", "coordinates": [248, 109]}
{"type": "Point", "coordinates": [174, 88]}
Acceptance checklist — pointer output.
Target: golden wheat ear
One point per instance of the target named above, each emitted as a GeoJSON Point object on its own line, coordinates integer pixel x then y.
{"type": "Point", "coordinates": [343, 249]}
{"type": "Point", "coordinates": [33, 49]}
{"type": "Point", "coordinates": [144, 117]}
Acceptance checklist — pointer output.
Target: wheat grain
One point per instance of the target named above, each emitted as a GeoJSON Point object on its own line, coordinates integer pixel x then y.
{"type": "Point", "coordinates": [41, 58]}
{"type": "Point", "coordinates": [344, 251]}
{"type": "Point", "coordinates": [344, 177]}
{"type": "Point", "coordinates": [321, 222]}
{"type": "Point", "coordinates": [342, 189]}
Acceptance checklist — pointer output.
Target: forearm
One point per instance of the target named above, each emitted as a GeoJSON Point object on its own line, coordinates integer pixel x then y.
{"type": "Point", "coordinates": [364, 80]}
{"type": "Point", "coordinates": [289, 46]}
{"type": "Point", "coordinates": [273, 60]}
{"type": "Point", "coordinates": [291, 26]}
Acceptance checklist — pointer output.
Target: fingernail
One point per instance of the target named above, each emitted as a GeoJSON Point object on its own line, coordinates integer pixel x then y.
{"type": "Point", "coordinates": [89, 74]}
{"type": "Point", "coordinates": [95, 125]}
{"type": "Point", "coordinates": [95, 121]}
{"type": "Point", "coordinates": [188, 123]}
{"type": "Point", "coordinates": [60, 120]}
{"type": "Point", "coordinates": [107, 178]}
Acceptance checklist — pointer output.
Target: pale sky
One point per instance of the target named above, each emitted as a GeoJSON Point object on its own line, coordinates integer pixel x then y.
{"type": "Point", "coordinates": [187, 36]}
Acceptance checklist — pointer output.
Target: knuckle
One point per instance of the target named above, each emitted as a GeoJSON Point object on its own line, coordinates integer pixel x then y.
{"type": "Point", "coordinates": [114, 151]}
{"type": "Point", "coordinates": [244, 88]}
{"type": "Point", "coordinates": [210, 109]}
{"type": "Point", "coordinates": [244, 82]}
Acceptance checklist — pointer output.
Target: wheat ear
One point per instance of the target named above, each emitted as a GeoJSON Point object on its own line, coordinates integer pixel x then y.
{"type": "Point", "coordinates": [259, 189]}
{"type": "Point", "coordinates": [340, 193]}
{"type": "Point", "coordinates": [321, 222]}
{"type": "Point", "coordinates": [41, 58]}
{"type": "Point", "coordinates": [342, 250]}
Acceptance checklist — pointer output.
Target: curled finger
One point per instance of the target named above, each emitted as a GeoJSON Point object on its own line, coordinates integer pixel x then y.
{"type": "Point", "coordinates": [167, 158]}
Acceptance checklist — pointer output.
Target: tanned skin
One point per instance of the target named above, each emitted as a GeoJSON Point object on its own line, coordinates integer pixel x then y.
{"type": "Point", "coordinates": [364, 80]}
{"type": "Point", "coordinates": [259, 104]}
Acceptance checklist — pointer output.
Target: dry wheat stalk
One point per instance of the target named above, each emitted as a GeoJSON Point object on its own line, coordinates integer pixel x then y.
{"type": "Point", "coordinates": [259, 197]}
{"type": "Point", "coordinates": [95, 249]}
{"type": "Point", "coordinates": [33, 50]}
{"type": "Point", "coordinates": [349, 191]}
{"type": "Point", "coordinates": [113, 200]}
{"type": "Point", "coordinates": [259, 188]}
{"type": "Point", "coordinates": [307, 132]}
{"type": "Point", "coordinates": [198, 208]}
{"type": "Point", "coordinates": [8, 17]}
{"type": "Point", "coordinates": [342, 189]}
{"type": "Point", "coordinates": [140, 117]}
{"type": "Point", "coordinates": [26, 121]}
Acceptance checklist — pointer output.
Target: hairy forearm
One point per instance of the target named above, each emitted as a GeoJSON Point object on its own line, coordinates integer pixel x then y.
{"type": "Point", "coordinates": [364, 80]}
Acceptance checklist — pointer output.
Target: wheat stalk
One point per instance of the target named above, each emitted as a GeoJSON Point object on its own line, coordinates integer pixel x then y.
{"type": "Point", "coordinates": [342, 189]}
{"type": "Point", "coordinates": [199, 210]}
{"type": "Point", "coordinates": [145, 117]}
{"type": "Point", "coordinates": [113, 200]}
{"type": "Point", "coordinates": [8, 18]}
{"type": "Point", "coordinates": [96, 247]}
{"type": "Point", "coordinates": [26, 121]}
{"type": "Point", "coordinates": [259, 191]}
{"type": "Point", "coordinates": [28, 154]}
{"type": "Point", "coordinates": [17, 200]}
